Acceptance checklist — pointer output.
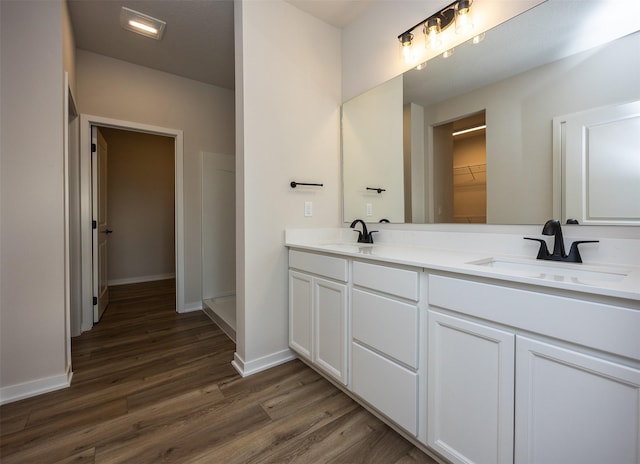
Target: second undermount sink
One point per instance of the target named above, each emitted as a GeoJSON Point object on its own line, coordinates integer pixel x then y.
{"type": "Point", "coordinates": [563, 272]}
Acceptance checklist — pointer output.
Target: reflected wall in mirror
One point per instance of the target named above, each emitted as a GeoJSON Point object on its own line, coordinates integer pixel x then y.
{"type": "Point", "coordinates": [542, 64]}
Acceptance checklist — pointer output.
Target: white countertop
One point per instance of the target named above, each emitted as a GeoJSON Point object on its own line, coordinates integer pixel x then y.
{"type": "Point", "coordinates": [606, 280]}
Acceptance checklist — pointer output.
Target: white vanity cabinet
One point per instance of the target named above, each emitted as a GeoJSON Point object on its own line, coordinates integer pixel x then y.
{"type": "Point", "coordinates": [517, 375]}
{"type": "Point", "coordinates": [318, 311]}
{"type": "Point", "coordinates": [385, 324]}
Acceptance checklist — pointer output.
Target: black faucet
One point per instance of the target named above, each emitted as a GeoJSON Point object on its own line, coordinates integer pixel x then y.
{"type": "Point", "coordinates": [553, 227]}
{"type": "Point", "coordinates": [364, 236]}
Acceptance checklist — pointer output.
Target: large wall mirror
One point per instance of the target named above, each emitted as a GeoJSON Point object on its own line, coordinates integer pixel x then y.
{"type": "Point", "coordinates": [402, 163]}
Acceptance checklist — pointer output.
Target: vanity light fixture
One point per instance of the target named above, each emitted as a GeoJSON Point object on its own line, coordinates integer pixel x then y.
{"type": "Point", "coordinates": [458, 12]}
{"type": "Point", "coordinates": [141, 23]}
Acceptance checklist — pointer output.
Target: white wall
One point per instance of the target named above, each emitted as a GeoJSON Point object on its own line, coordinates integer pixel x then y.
{"type": "Point", "coordinates": [288, 115]}
{"type": "Point", "coordinates": [218, 225]}
{"type": "Point", "coordinates": [32, 295]}
{"type": "Point", "coordinates": [115, 89]}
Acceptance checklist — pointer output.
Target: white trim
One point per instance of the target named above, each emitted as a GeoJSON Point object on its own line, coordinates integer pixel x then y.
{"type": "Point", "coordinates": [86, 121]}
{"type": "Point", "coordinates": [67, 247]}
{"type": "Point", "coordinates": [35, 387]}
{"type": "Point", "coordinates": [245, 368]}
{"type": "Point", "coordinates": [139, 279]}
{"type": "Point", "coordinates": [190, 307]}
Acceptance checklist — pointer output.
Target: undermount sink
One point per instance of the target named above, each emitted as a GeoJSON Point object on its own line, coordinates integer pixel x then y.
{"type": "Point", "coordinates": [562, 272]}
{"type": "Point", "coordinates": [349, 247]}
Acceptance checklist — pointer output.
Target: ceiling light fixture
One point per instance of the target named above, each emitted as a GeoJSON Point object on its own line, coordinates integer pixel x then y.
{"type": "Point", "coordinates": [458, 13]}
{"type": "Point", "coordinates": [472, 129]}
{"type": "Point", "coordinates": [141, 23]}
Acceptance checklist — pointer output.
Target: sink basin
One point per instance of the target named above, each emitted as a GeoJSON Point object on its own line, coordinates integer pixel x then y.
{"type": "Point", "coordinates": [349, 247]}
{"type": "Point", "coordinates": [562, 272]}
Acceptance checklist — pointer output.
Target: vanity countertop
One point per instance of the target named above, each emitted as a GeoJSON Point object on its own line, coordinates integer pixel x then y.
{"type": "Point", "coordinates": [605, 280]}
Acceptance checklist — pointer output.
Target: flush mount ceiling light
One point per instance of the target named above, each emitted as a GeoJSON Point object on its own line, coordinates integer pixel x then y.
{"type": "Point", "coordinates": [141, 23]}
{"type": "Point", "coordinates": [472, 129]}
{"type": "Point", "coordinates": [458, 12]}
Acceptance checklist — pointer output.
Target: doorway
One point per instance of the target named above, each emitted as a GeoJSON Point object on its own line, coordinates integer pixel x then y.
{"type": "Point", "coordinates": [87, 214]}
{"type": "Point", "coordinates": [138, 226]}
{"type": "Point", "coordinates": [460, 171]}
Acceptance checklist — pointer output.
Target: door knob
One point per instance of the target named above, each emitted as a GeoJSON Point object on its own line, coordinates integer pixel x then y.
{"type": "Point", "coordinates": [108, 231]}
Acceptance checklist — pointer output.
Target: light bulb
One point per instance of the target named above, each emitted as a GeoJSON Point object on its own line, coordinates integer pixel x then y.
{"type": "Point", "coordinates": [432, 32]}
{"type": "Point", "coordinates": [464, 21]}
{"type": "Point", "coordinates": [408, 52]}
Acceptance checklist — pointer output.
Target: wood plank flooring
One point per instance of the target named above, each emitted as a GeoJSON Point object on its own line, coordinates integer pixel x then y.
{"type": "Point", "coordinates": [151, 386]}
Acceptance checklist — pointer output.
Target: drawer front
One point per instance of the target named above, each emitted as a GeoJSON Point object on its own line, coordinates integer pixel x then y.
{"type": "Point", "coordinates": [388, 387]}
{"type": "Point", "coordinates": [391, 280]}
{"type": "Point", "coordinates": [609, 328]}
{"type": "Point", "coordinates": [327, 266]}
{"type": "Point", "coordinates": [388, 325]}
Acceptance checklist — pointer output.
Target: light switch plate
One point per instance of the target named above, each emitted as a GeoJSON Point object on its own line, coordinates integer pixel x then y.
{"type": "Point", "coordinates": [308, 209]}
{"type": "Point", "coordinates": [369, 209]}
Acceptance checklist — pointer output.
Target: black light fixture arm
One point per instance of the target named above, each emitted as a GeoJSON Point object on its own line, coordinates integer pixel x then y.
{"type": "Point", "coordinates": [377, 189]}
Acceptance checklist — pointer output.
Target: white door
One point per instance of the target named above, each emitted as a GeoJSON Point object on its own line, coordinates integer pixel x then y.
{"type": "Point", "coordinates": [574, 407]}
{"type": "Point", "coordinates": [100, 230]}
{"type": "Point", "coordinates": [600, 164]}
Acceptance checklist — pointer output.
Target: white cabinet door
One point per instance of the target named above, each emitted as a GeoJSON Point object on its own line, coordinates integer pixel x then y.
{"type": "Point", "coordinates": [330, 322]}
{"type": "Point", "coordinates": [470, 390]}
{"type": "Point", "coordinates": [574, 408]}
{"type": "Point", "coordinates": [300, 313]}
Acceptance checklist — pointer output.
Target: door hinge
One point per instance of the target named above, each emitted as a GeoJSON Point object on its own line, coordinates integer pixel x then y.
{"type": "Point", "coordinates": [93, 148]}
{"type": "Point", "coordinates": [94, 224]}
{"type": "Point", "coordinates": [95, 300]}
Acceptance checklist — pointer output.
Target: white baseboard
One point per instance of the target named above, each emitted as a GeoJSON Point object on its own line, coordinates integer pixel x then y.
{"type": "Point", "coordinates": [24, 390]}
{"type": "Point", "coordinates": [226, 327]}
{"type": "Point", "coordinates": [261, 364]}
{"type": "Point", "coordinates": [190, 307]}
{"type": "Point", "coordinates": [139, 279]}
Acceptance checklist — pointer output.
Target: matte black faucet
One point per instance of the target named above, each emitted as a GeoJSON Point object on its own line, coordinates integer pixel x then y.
{"type": "Point", "coordinates": [553, 227]}
{"type": "Point", "coordinates": [364, 236]}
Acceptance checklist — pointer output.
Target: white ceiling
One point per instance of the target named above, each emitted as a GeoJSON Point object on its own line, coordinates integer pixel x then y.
{"type": "Point", "coordinates": [198, 41]}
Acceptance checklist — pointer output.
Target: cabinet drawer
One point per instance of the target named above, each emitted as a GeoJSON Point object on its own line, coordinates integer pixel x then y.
{"type": "Point", "coordinates": [600, 326]}
{"type": "Point", "coordinates": [327, 266]}
{"type": "Point", "coordinates": [387, 325]}
{"type": "Point", "coordinates": [388, 387]}
{"type": "Point", "coordinates": [391, 280]}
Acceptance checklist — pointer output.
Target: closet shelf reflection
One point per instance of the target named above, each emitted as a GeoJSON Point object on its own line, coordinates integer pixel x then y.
{"type": "Point", "coordinates": [470, 173]}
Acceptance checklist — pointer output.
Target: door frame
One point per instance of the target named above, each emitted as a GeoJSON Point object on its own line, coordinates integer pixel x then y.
{"type": "Point", "coordinates": [86, 232]}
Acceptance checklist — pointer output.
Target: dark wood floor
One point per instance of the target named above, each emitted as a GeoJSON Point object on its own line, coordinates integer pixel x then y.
{"type": "Point", "coordinates": [151, 385]}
